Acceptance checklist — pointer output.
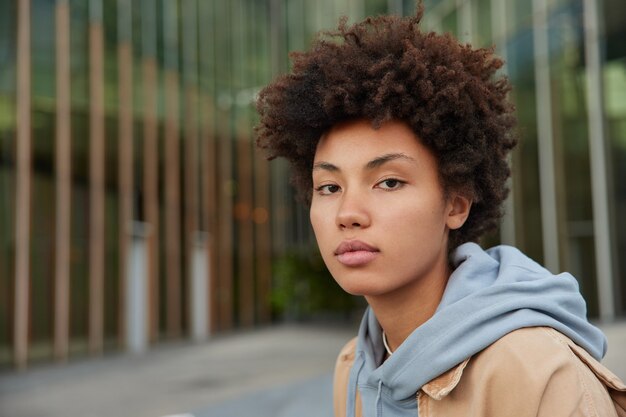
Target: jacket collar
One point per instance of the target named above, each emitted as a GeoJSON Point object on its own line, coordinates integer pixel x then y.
{"type": "Point", "coordinates": [446, 382]}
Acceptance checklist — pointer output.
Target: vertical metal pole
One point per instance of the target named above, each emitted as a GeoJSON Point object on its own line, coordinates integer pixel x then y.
{"type": "Point", "coordinates": [172, 169]}
{"type": "Point", "coordinates": [260, 214]}
{"type": "Point", "coordinates": [508, 233]}
{"type": "Point", "coordinates": [498, 25]}
{"type": "Point", "coordinates": [64, 181]}
{"type": "Point", "coordinates": [278, 167]}
{"type": "Point", "coordinates": [225, 294]}
{"type": "Point", "coordinates": [209, 175]}
{"type": "Point", "coordinates": [263, 239]}
{"type": "Point", "coordinates": [22, 186]}
{"type": "Point", "coordinates": [96, 177]}
{"type": "Point", "coordinates": [209, 172]}
{"type": "Point", "coordinates": [243, 208]}
{"type": "Point", "coordinates": [548, 189]}
{"type": "Point", "coordinates": [190, 71]}
{"type": "Point", "coordinates": [464, 20]}
{"type": "Point", "coordinates": [151, 161]}
{"type": "Point", "coordinates": [125, 153]}
{"type": "Point", "coordinates": [226, 184]}
{"type": "Point", "coordinates": [246, 233]}
{"type": "Point", "coordinates": [604, 248]}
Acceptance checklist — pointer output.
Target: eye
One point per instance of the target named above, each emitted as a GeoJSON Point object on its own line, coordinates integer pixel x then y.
{"type": "Point", "coordinates": [390, 184]}
{"type": "Point", "coordinates": [327, 189]}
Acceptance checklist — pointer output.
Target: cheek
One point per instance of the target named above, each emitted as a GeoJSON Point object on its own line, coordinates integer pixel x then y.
{"type": "Point", "coordinates": [415, 225]}
{"type": "Point", "coordinates": [321, 228]}
{"type": "Point", "coordinates": [319, 222]}
{"type": "Point", "coordinates": [314, 218]}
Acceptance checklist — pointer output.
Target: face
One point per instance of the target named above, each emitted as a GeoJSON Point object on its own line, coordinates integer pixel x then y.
{"type": "Point", "coordinates": [379, 212]}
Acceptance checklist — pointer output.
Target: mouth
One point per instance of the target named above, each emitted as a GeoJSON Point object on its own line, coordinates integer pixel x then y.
{"type": "Point", "coordinates": [355, 253]}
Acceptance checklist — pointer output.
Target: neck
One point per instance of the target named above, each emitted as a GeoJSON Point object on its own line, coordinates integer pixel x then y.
{"type": "Point", "coordinates": [401, 312]}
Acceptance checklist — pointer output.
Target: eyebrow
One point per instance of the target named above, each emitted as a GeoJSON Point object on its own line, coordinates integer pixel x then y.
{"type": "Point", "coordinates": [381, 160]}
{"type": "Point", "coordinates": [374, 163]}
{"type": "Point", "coordinates": [327, 166]}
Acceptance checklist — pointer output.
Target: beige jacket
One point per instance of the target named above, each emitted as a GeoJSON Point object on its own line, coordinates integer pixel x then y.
{"type": "Point", "coordinates": [529, 372]}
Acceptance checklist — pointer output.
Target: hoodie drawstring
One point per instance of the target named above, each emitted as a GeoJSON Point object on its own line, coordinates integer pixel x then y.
{"type": "Point", "coordinates": [379, 403]}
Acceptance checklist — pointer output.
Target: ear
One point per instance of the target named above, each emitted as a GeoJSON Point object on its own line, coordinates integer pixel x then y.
{"type": "Point", "coordinates": [458, 210]}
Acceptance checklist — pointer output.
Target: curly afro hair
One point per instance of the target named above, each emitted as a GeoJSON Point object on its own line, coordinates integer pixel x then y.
{"type": "Point", "coordinates": [386, 68]}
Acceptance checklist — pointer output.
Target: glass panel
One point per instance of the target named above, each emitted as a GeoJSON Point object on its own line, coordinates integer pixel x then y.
{"type": "Point", "coordinates": [525, 158]}
{"type": "Point", "coordinates": [374, 7]}
{"type": "Point", "coordinates": [482, 23]}
{"type": "Point", "coordinates": [614, 77]}
{"type": "Point", "coordinates": [43, 185]}
{"type": "Point", "coordinates": [519, 15]}
{"type": "Point", "coordinates": [449, 23]}
{"type": "Point", "coordinates": [567, 68]}
{"type": "Point", "coordinates": [79, 229]}
{"type": "Point", "coordinates": [296, 35]}
{"type": "Point", "coordinates": [7, 176]}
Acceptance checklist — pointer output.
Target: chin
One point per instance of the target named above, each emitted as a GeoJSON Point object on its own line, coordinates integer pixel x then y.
{"type": "Point", "coordinates": [360, 286]}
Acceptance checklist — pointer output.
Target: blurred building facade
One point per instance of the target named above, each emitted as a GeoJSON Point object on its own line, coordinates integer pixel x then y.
{"type": "Point", "coordinates": [134, 208]}
{"type": "Point", "coordinates": [566, 60]}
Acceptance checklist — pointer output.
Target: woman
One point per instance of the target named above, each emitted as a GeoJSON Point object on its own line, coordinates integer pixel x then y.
{"type": "Point", "coordinates": [398, 140]}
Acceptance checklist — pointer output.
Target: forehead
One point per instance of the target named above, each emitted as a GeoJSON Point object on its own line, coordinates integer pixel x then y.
{"type": "Point", "coordinates": [358, 140]}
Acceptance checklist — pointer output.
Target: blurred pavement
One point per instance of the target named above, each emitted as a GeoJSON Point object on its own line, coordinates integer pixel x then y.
{"type": "Point", "coordinates": [283, 371]}
{"type": "Point", "coordinates": [277, 371]}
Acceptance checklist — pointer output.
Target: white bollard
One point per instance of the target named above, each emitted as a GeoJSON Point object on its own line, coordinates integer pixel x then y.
{"type": "Point", "coordinates": [137, 291]}
{"type": "Point", "coordinates": [199, 295]}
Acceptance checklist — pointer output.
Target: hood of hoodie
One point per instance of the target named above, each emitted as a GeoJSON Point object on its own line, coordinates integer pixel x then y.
{"type": "Point", "coordinates": [489, 294]}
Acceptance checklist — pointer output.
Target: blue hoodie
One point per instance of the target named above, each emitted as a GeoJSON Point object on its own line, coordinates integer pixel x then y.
{"type": "Point", "coordinates": [489, 294]}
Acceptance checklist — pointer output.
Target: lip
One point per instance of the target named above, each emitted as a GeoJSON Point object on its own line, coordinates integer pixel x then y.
{"type": "Point", "coordinates": [355, 253]}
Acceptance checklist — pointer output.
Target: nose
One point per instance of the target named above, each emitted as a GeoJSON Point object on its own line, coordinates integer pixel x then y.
{"type": "Point", "coordinates": [352, 213]}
